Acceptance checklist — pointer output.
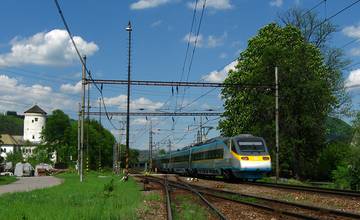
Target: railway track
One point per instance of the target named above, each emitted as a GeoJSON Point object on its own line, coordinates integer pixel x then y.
{"type": "Point", "coordinates": [347, 193]}
{"type": "Point", "coordinates": [164, 183]}
{"type": "Point", "coordinates": [186, 187]}
{"type": "Point", "coordinates": [277, 207]}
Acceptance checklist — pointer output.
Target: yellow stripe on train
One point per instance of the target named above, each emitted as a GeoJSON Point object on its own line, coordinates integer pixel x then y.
{"type": "Point", "coordinates": [251, 158]}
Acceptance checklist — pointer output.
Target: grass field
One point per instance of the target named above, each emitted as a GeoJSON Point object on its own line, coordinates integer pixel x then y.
{"type": "Point", "coordinates": [7, 179]}
{"type": "Point", "coordinates": [95, 198]}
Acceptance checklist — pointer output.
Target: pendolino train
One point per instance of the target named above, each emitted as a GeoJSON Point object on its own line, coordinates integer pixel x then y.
{"type": "Point", "coordinates": [243, 157]}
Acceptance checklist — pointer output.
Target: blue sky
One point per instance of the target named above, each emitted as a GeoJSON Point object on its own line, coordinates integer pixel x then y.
{"type": "Point", "coordinates": [38, 64]}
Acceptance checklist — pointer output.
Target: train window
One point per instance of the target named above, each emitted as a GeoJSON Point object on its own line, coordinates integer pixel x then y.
{"type": "Point", "coordinates": [233, 146]}
{"type": "Point", "coordinates": [255, 145]}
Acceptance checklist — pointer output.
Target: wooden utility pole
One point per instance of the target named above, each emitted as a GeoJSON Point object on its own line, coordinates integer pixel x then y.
{"type": "Point", "coordinates": [277, 123]}
{"type": "Point", "coordinates": [83, 80]}
{"type": "Point", "coordinates": [129, 30]}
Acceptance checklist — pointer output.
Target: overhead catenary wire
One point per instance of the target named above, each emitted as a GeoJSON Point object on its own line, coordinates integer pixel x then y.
{"type": "Point", "coordinates": [314, 7]}
{"type": "Point", "coordinates": [82, 60]}
{"type": "Point", "coordinates": [194, 48]}
{"type": "Point", "coordinates": [336, 14]}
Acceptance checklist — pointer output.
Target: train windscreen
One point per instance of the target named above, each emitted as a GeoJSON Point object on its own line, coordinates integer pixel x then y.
{"type": "Point", "coordinates": [253, 145]}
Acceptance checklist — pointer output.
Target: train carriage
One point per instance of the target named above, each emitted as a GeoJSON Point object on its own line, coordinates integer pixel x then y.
{"type": "Point", "coordinates": [242, 157]}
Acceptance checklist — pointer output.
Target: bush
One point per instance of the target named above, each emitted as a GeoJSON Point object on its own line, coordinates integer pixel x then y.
{"type": "Point", "coordinates": [347, 175]}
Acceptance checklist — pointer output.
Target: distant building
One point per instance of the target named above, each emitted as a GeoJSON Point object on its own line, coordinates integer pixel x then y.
{"type": "Point", "coordinates": [34, 122]}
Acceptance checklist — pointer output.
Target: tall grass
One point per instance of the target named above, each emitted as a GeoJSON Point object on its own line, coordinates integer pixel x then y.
{"type": "Point", "coordinates": [74, 200]}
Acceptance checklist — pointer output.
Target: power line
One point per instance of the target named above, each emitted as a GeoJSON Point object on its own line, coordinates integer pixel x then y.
{"type": "Point", "coordinates": [348, 43]}
{"type": "Point", "coordinates": [82, 60]}
{"type": "Point", "coordinates": [194, 49]}
{"type": "Point", "coordinates": [189, 39]}
{"type": "Point", "coordinates": [160, 113]}
{"type": "Point", "coordinates": [317, 5]}
{"type": "Point", "coordinates": [337, 13]}
{"type": "Point", "coordinates": [178, 84]}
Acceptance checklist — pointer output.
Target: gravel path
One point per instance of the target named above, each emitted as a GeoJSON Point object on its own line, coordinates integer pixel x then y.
{"type": "Point", "coordinates": [30, 183]}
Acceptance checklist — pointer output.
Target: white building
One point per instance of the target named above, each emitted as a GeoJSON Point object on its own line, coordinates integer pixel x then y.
{"type": "Point", "coordinates": [34, 122]}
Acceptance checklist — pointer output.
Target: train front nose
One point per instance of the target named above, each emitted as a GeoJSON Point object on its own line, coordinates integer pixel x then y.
{"type": "Point", "coordinates": [254, 167]}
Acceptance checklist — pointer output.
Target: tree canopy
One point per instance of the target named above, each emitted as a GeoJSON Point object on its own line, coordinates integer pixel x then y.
{"type": "Point", "coordinates": [306, 96]}
{"type": "Point", "coordinates": [60, 135]}
{"type": "Point", "coordinates": [10, 124]}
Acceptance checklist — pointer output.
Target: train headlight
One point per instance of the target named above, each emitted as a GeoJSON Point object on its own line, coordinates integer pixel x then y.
{"type": "Point", "coordinates": [266, 158]}
{"type": "Point", "coordinates": [244, 158]}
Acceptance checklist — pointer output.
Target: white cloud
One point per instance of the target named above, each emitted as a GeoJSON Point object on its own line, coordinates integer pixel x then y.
{"type": "Point", "coordinates": [46, 48]}
{"type": "Point", "coordinates": [219, 76]}
{"type": "Point", "coordinates": [213, 4]}
{"type": "Point", "coordinates": [72, 89]}
{"type": "Point", "coordinates": [144, 4]}
{"type": "Point", "coordinates": [214, 41]}
{"type": "Point", "coordinates": [355, 52]}
{"type": "Point", "coordinates": [23, 96]}
{"type": "Point", "coordinates": [352, 31]}
{"type": "Point", "coordinates": [210, 42]}
{"type": "Point", "coordinates": [140, 103]}
{"type": "Point", "coordinates": [192, 39]}
{"type": "Point", "coordinates": [139, 121]}
{"type": "Point", "coordinates": [276, 3]}
{"type": "Point", "coordinates": [353, 78]}
{"type": "Point", "coordinates": [156, 23]}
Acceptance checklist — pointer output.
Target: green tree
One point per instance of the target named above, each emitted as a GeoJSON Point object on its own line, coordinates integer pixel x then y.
{"type": "Point", "coordinates": [56, 135]}
{"type": "Point", "coordinates": [133, 156]}
{"type": "Point", "coordinates": [347, 173]}
{"type": "Point", "coordinates": [319, 33]}
{"type": "Point", "coordinates": [40, 155]}
{"type": "Point", "coordinates": [10, 124]}
{"type": "Point", "coordinates": [306, 96]}
{"type": "Point", "coordinates": [61, 135]}
{"type": "Point", "coordinates": [162, 152]}
{"type": "Point", "coordinates": [14, 157]}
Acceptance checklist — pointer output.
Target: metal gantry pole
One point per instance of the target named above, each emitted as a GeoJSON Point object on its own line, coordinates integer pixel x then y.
{"type": "Point", "coordinates": [87, 127]}
{"type": "Point", "coordinates": [150, 146]}
{"type": "Point", "coordinates": [79, 140]}
{"type": "Point", "coordinates": [100, 125]}
{"type": "Point", "coordinates": [129, 30]}
{"type": "Point", "coordinates": [82, 119]}
{"type": "Point", "coordinates": [277, 123]}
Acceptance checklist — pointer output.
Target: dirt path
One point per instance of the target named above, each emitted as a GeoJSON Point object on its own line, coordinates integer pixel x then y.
{"type": "Point", "coordinates": [30, 183]}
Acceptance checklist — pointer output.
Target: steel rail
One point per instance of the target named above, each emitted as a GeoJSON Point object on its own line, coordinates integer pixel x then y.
{"type": "Point", "coordinates": [350, 193]}
{"type": "Point", "coordinates": [165, 185]}
{"type": "Point", "coordinates": [294, 204]}
{"type": "Point", "coordinates": [191, 189]}
{"type": "Point", "coordinates": [264, 207]}
{"type": "Point", "coordinates": [168, 200]}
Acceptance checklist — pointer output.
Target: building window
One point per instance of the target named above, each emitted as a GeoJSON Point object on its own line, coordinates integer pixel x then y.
{"type": "Point", "coordinates": [33, 137]}
{"type": "Point", "coordinates": [32, 121]}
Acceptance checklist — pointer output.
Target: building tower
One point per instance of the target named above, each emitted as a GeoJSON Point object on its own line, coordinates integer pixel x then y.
{"type": "Point", "coordinates": [34, 122]}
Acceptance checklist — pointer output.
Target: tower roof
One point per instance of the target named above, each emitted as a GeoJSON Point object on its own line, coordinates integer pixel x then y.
{"type": "Point", "coordinates": [35, 109]}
